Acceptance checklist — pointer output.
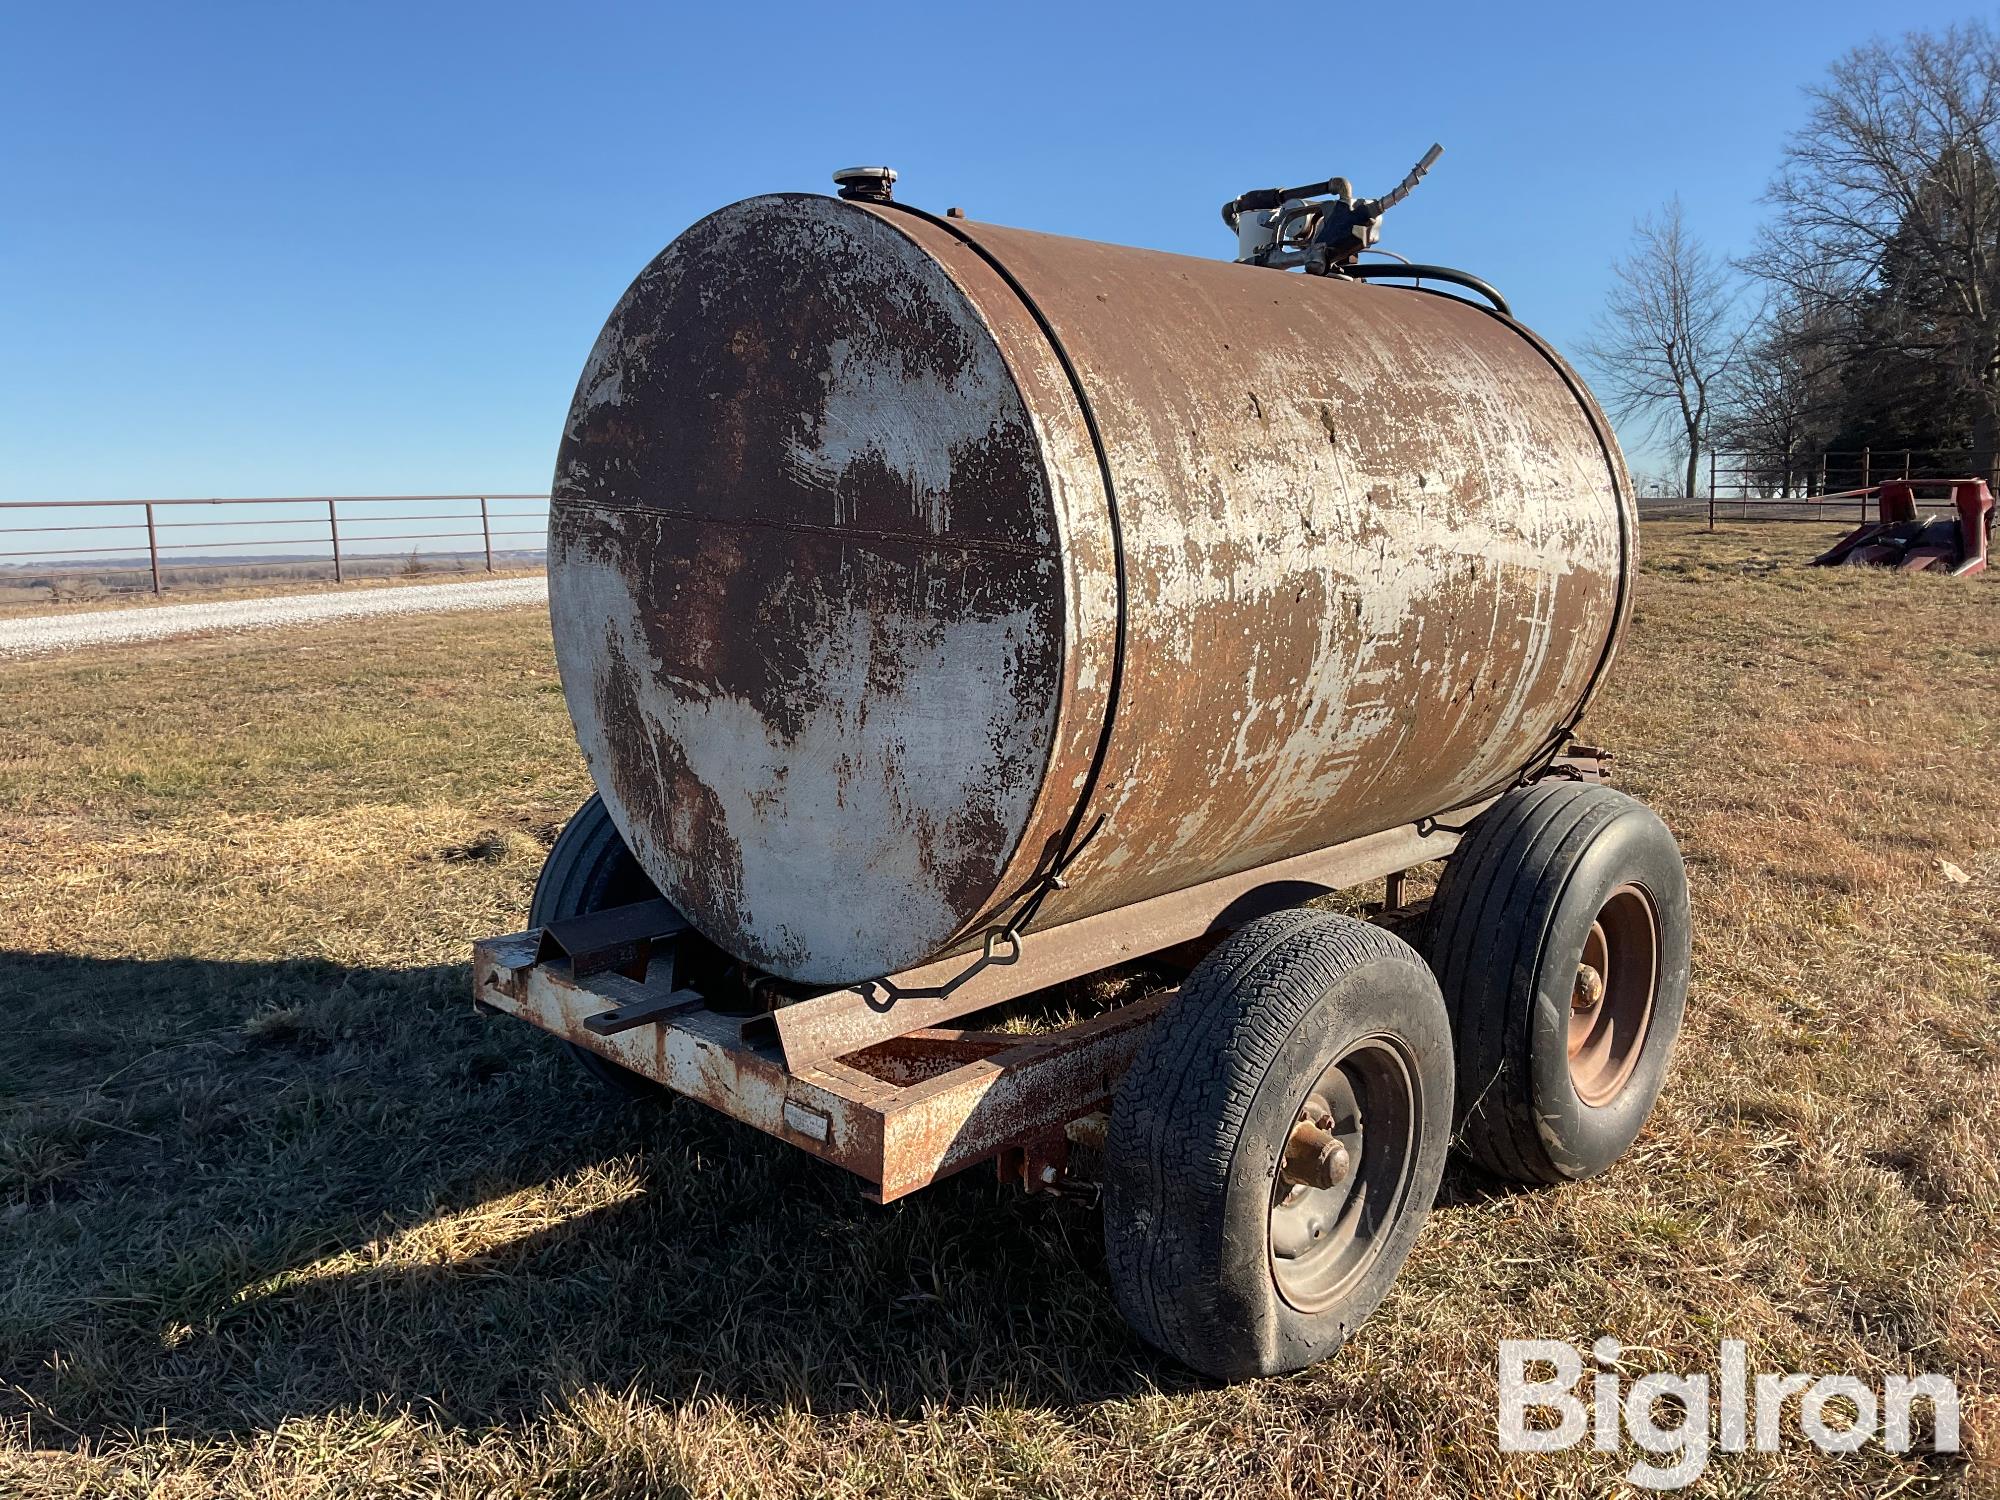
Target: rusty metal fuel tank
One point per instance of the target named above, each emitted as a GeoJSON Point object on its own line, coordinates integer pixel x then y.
{"type": "Point", "coordinates": [897, 561]}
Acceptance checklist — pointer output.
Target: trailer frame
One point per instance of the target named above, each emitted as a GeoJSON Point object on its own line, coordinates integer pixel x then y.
{"type": "Point", "coordinates": [874, 1078]}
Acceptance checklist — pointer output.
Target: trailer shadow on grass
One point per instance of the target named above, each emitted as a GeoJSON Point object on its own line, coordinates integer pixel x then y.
{"type": "Point", "coordinates": [233, 1193]}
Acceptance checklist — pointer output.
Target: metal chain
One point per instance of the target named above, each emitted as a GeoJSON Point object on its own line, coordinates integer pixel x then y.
{"type": "Point", "coordinates": [1010, 933]}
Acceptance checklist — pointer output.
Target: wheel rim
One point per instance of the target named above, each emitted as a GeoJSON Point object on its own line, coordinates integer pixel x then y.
{"type": "Point", "coordinates": [1611, 1000]}
{"type": "Point", "coordinates": [1358, 1121]}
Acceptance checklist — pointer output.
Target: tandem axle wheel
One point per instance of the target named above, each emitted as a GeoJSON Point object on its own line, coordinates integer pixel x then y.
{"type": "Point", "coordinates": [1277, 1142]}
{"type": "Point", "coordinates": [1560, 936]}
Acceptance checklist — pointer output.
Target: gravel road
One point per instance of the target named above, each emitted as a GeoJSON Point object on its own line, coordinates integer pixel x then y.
{"type": "Point", "coordinates": [37, 635]}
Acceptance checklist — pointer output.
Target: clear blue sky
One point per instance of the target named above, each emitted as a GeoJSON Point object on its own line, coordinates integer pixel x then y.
{"type": "Point", "coordinates": [278, 249]}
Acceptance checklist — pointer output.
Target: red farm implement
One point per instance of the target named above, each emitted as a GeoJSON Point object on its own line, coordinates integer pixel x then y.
{"type": "Point", "coordinates": [1955, 542]}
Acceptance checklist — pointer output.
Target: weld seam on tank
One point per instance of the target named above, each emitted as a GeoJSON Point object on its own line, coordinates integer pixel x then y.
{"type": "Point", "coordinates": [992, 546]}
{"type": "Point", "coordinates": [1074, 827]}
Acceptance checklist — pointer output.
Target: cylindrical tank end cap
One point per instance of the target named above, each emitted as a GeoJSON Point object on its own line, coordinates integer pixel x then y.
{"type": "Point", "coordinates": [867, 184]}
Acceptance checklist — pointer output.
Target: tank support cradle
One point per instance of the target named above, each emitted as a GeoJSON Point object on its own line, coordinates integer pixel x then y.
{"type": "Point", "coordinates": [886, 1087]}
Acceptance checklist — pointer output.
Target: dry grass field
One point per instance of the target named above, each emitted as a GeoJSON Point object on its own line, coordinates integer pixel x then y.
{"type": "Point", "coordinates": [280, 1215]}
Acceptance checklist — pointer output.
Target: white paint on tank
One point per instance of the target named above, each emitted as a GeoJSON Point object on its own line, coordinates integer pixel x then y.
{"type": "Point", "coordinates": [842, 826]}
{"type": "Point", "coordinates": [908, 421]}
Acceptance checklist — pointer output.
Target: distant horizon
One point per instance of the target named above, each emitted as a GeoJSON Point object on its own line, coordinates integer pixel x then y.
{"type": "Point", "coordinates": [124, 564]}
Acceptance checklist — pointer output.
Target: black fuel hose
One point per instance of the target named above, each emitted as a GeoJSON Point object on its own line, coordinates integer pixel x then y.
{"type": "Point", "coordinates": [1430, 273]}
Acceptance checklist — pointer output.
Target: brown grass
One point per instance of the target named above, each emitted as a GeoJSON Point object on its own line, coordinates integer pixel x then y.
{"type": "Point", "coordinates": [279, 1215]}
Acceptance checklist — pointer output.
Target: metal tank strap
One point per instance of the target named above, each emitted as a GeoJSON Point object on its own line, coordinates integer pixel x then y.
{"type": "Point", "coordinates": [1073, 841]}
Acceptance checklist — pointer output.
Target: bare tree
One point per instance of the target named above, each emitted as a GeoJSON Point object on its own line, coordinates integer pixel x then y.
{"type": "Point", "coordinates": [1782, 399]}
{"type": "Point", "coordinates": [1655, 484]}
{"type": "Point", "coordinates": [1665, 340]}
{"type": "Point", "coordinates": [1888, 198]}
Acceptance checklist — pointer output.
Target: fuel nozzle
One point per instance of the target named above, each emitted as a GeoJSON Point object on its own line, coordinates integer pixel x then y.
{"type": "Point", "coordinates": [1318, 226]}
{"type": "Point", "coordinates": [1348, 225]}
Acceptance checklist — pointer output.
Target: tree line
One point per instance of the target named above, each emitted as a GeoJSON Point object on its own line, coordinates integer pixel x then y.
{"type": "Point", "coordinates": [1867, 315]}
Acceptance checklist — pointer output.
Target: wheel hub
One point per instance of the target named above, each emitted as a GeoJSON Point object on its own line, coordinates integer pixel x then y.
{"type": "Point", "coordinates": [1342, 1173]}
{"type": "Point", "coordinates": [1611, 999]}
{"type": "Point", "coordinates": [1589, 981]}
{"type": "Point", "coordinates": [1314, 1156]}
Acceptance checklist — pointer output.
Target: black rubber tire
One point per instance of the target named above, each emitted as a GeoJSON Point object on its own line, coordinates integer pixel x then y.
{"type": "Point", "coordinates": [589, 869]}
{"type": "Point", "coordinates": [1199, 1122]}
{"type": "Point", "coordinates": [1508, 927]}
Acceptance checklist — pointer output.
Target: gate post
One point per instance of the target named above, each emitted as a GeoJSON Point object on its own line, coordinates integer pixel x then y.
{"type": "Point", "coordinates": [333, 531]}
{"type": "Point", "coordinates": [486, 533]}
{"type": "Point", "coordinates": [153, 546]}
